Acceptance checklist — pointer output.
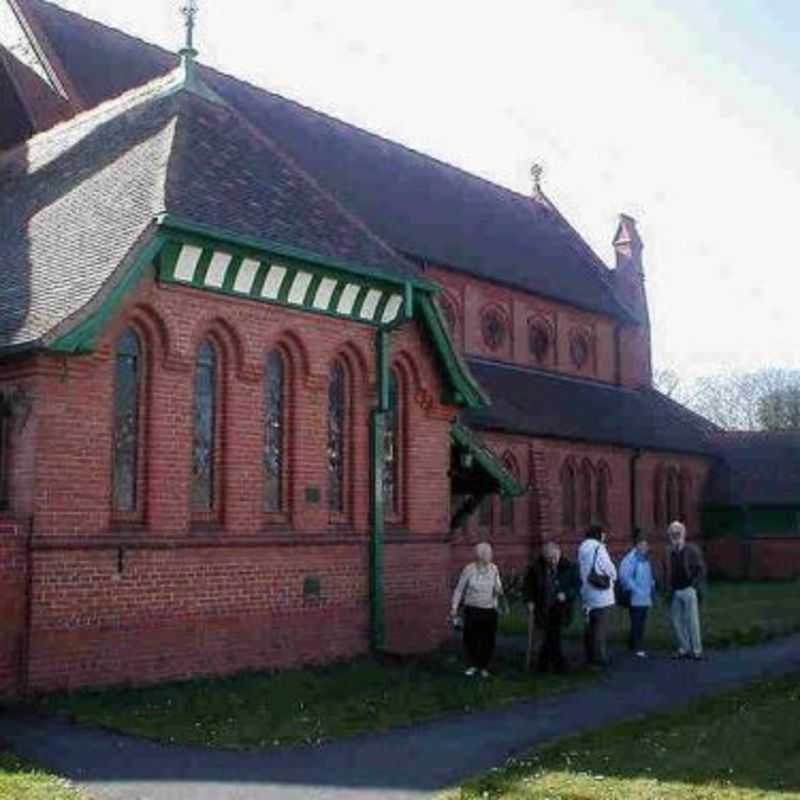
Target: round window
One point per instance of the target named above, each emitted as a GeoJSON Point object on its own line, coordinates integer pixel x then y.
{"type": "Point", "coordinates": [493, 327]}
{"type": "Point", "coordinates": [579, 349]}
{"type": "Point", "coordinates": [539, 342]}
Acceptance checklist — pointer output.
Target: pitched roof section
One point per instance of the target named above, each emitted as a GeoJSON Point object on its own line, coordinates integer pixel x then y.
{"type": "Point", "coordinates": [532, 402]}
{"type": "Point", "coordinates": [419, 205]}
{"type": "Point", "coordinates": [78, 198]}
{"type": "Point", "coordinates": [757, 469]}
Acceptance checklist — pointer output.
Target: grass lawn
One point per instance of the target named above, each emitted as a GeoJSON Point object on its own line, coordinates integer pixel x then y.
{"type": "Point", "coordinates": [260, 710]}
{"type": "Point", "coordinates": [732, 614]}
{"type": "Point", "coordinates": [742, 745]}
{"type": "Point", "coordinates": [21, 781]}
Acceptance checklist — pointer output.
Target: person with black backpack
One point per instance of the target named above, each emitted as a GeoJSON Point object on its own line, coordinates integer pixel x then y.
{"type": "Point", "coordinates": [598, 574]}
{"type": "Point", "coordinates": [636, 584]}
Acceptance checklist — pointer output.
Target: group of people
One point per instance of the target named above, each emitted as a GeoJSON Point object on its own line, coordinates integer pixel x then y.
{"type": "Point", "coordinates": [553, 586]}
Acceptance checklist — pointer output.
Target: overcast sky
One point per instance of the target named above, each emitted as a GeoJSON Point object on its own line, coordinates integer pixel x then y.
{"type": "Point", "coordinates": [684, 113]}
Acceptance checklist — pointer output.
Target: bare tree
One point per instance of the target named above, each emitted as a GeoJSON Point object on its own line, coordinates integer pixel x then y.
{"type": "Point", "coordinates": [667, 381]}
{"type": "Point", "coordinates": [780, 410]}
{"type": "Point", "coordinates": [734, 400]}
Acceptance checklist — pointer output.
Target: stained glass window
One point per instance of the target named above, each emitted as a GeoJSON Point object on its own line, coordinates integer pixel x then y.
{"type": "Point", "coordinates": [205, 411]}
{"type": "Point", "coordinates": [127, 376]}
{"type": "Point", "coordinates": [274, 432]}
{"type": "Point", "coordinates": [507, 502]}
{"type": "Point", "coordinates": [659, 491]}
{"type": "Point", "coordinates": [336, 438]}
{"type": "Point", "coordinates": [5, 430]}
{"type": "Point", "coordinates": [568, 496]}
{"type": "Point", "coordinates": [391, 450]}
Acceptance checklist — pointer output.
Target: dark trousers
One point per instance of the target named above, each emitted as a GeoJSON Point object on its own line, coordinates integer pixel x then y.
{"type": "Point", "coordinates": [638, 625]}
{"type": "Point", "coordinates": [551, 656]}
{"type": "Point", "coordinates": [480, 635]}
{"type": "Point", "coordinates": [594, 636]}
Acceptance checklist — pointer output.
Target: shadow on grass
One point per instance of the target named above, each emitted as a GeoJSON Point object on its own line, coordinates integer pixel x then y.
{"type": "Point", "coordinates": [739, 744]}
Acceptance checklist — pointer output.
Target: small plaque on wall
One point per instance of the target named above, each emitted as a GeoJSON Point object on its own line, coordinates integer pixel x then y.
{"type": "Point", "coordinates": [312, 495]}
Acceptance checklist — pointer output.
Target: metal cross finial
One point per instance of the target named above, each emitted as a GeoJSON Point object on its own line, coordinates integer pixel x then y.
{"type": "Point", "coordinates": [190, 10]}
{"type": "Point", "coordinates": [537, 170]}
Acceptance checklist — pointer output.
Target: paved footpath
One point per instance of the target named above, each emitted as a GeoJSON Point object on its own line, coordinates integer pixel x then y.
{"type": "Point", "coordinates": [403, 764]}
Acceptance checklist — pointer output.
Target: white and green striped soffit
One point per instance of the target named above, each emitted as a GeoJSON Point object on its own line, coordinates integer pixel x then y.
{"type": "Point", "coordinates": [224, 268]}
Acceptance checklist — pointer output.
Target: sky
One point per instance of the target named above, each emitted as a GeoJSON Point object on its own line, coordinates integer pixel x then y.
{"type": "Point", "coordinates": [683, 113]}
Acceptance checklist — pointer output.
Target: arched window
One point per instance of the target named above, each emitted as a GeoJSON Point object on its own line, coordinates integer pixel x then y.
{"type": "Point", "coordinates": [586, 494]}
{"type": "Point", "coordinates": [684, 491]}
{"type": "Point", "coordinates": [274, 432]}
{"type": "Point", "coordinates": [337, 439]}
{"type": "Point", "coordinates": [673, 495]}
{"type": "Point", "coordinates": [392, 450]}
{"type": "Point", "coordinates": [507, 503]}
{"type": "Point", "coordinates": [603, 484]}
{"type": "Point", "coordinates": [127, 393]}
{"type": "Point", "coordinates": [659, 496]}
{"type": "Point", "coordinates": [485, 513]}
{"type": "Point", "coordinates": [568, 494]}
{"type": "Point", "coordinates": [204, 497]}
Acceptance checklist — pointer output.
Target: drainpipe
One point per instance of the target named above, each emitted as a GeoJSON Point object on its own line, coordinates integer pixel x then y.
{"type": "Point", "coordinates": [377, 430]}
{"type": "Point", "coordinates": [634, 491]}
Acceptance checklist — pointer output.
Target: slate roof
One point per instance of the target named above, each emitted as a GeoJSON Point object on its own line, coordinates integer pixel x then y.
{"type": "Point", "coordinates": [757, 469]}
{"type": "Point", "coordinates": [533, 402]}
{"type": "Point", "coordinates": [79, 197]}
{"type": "Point", "coordinates": [420, 206]}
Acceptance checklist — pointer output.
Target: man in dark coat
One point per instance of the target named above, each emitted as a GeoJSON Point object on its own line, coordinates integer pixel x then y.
{"type": "Point", "coordinates": [550, 588]}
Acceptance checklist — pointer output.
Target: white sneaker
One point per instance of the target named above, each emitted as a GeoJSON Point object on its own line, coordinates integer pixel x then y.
{"type": "Point", "coordinates": [470, 672]}
{"type": "Point", "coordinates": [485, 673]}
{"type": "Point", "coordinates": [641, 654]}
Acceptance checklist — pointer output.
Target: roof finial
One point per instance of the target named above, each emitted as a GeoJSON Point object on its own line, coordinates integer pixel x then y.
{"type": "Point", "coordinates": [537, 171]}
{"type": "Point", "coordinates": [189, 10]}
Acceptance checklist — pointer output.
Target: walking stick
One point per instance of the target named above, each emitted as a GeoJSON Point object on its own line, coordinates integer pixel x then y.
{"type": "Point", "coordinates": [529, 651]}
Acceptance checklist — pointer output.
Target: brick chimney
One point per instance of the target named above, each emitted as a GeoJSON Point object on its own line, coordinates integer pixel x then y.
{"type": "Point", "coordinates": [634, 343]}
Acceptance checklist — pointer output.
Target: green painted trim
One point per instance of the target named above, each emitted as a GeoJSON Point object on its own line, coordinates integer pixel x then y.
{"type": "Point", "coordinates": [171, 222]}
{"type": "Point", "coordinates": [292, 266]}
{"type": "Point", "coordinates": [83, 337]}
{"type": "Point", "coordinates": [507, 484]}
{"type": "Point", "coordinates": [463, 389]}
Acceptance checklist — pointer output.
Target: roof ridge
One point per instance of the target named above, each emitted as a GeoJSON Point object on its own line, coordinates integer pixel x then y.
{"type": "Point", "coordinates": [107, 108]}
{"type": "Point", "coordinates": [329, 197]}
{"type": "Point", "coordinates": [518, 196]}
{"type": "Point", "coordinates": [556, 376]}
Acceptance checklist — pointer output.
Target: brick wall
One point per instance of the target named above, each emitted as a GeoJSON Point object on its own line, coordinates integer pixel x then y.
{"type": "Point", "coordinates": [118, 599]}
{"type": "Point", "coordinates": [13, 584]}
{"type": "Point", "coordinates": [469, 298]}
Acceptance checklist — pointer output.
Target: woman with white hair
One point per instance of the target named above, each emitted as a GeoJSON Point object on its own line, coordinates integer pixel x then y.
{"type": "Point", "coordinates": [479, 589]}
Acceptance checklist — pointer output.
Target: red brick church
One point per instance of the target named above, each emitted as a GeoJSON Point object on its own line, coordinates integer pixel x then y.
{"type": "Point", "coordinates": [266, 376]}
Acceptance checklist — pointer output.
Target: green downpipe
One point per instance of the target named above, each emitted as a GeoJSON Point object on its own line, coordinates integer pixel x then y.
{"type": "Point", "coordinates": [377, 431]}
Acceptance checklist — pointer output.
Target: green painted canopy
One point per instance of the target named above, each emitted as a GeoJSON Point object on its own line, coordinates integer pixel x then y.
{"type": "Point", "coordinates": [478, 470]}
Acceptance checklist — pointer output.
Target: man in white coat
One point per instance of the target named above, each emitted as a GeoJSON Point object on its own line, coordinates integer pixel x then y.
{"type": "Point", "coordinates": [598, 575]}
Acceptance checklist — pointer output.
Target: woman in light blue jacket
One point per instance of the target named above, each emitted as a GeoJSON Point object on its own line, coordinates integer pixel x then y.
{"type": "Point", "coordinates": [636, 578]}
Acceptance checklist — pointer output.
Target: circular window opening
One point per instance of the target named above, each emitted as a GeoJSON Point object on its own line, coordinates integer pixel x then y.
{"type": "Point", "coordinates": [493, 327]}
{"type": "Point", "coordinates": [579, 350]}
{"type": "Point", "coordinates": [539, 342]}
